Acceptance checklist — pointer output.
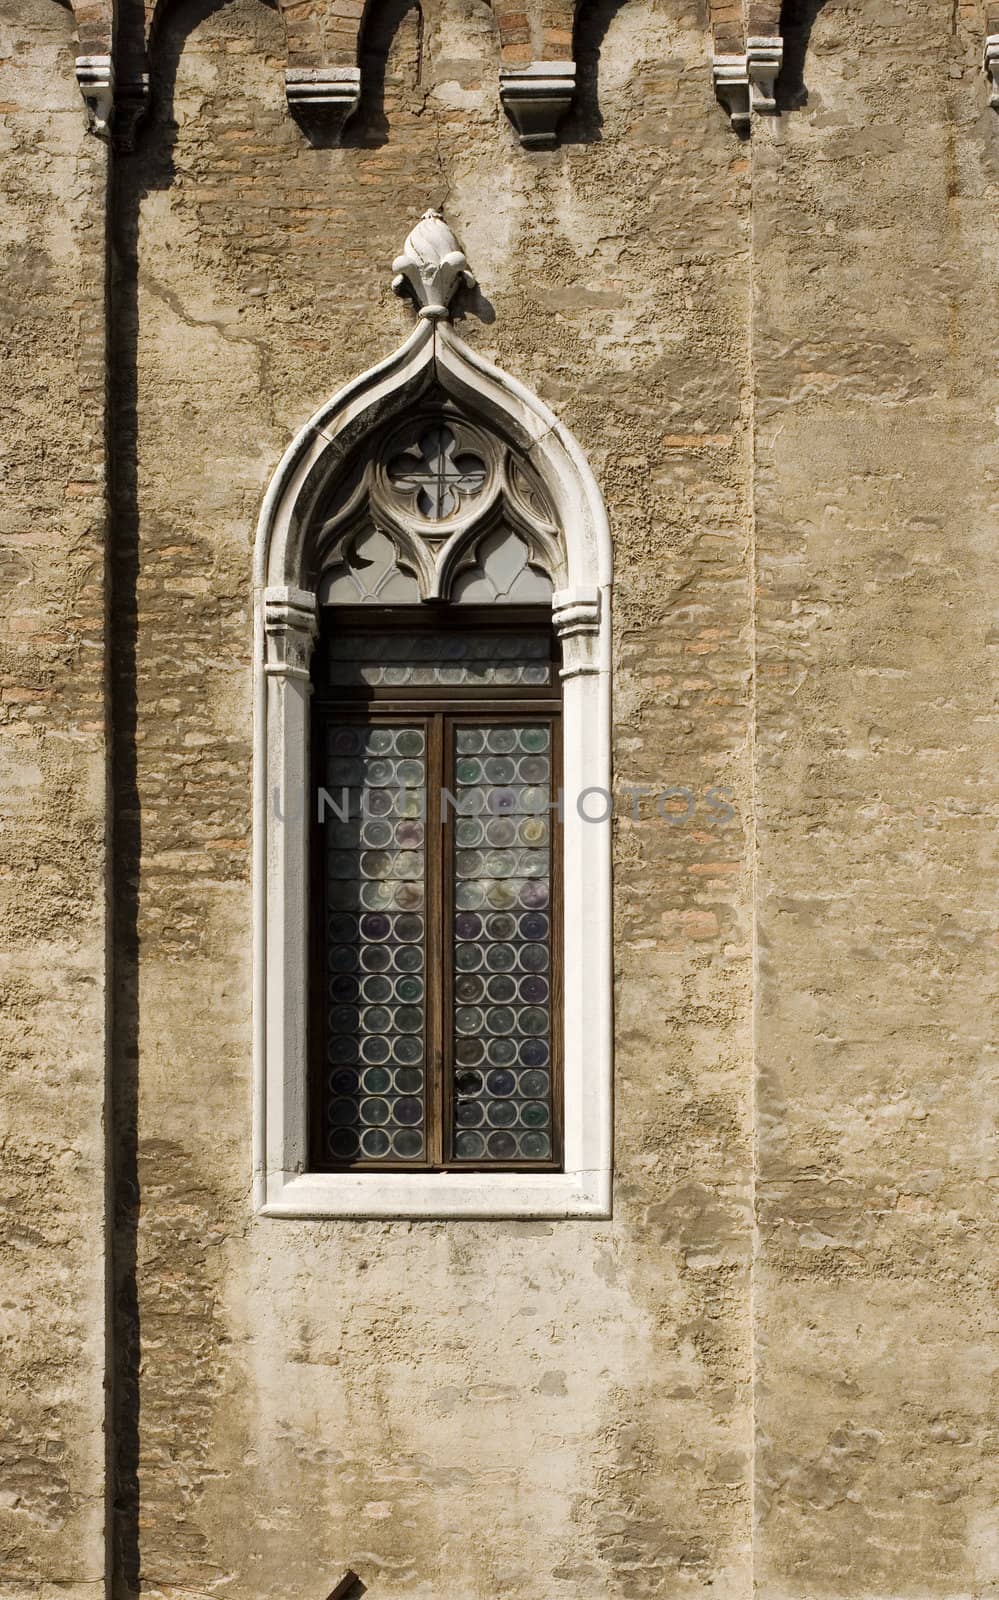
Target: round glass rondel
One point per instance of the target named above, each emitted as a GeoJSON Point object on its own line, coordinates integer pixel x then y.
{"type": "Point", "coordinates": [502, 950]}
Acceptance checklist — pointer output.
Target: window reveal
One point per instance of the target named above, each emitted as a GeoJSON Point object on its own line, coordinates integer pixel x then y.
{"type": "Point", "coordinates": [436, 1027]}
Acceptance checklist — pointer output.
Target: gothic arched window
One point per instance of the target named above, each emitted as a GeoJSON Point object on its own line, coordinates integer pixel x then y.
{"type": "Point", "coordinates": [436, 736]}
{"type": "Point", "coordinates": [433, 918]}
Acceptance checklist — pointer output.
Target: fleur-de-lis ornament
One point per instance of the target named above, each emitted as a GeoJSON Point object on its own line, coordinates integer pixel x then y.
{"type": "Point", "coordinates": [431, 267]}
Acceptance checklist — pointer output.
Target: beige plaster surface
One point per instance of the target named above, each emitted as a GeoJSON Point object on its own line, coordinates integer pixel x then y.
{"type": "Point", "coordinates": [53, 780]}
{"type": "Point", "coordinates": [775, 356]}
{"type": "Point", "coordinates": [875, 499]}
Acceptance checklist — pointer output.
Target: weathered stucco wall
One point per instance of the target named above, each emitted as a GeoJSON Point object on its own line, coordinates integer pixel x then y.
{"type": "Point", "coordinates": [52, 842]}
{"type": "Point", "coordinates": [457, 1410]}
{"type": "Point", "coordinates": [875, 256]}
{"type": "Point", "coordinates": [773, 357]}
{"type": "Point", "coordinates": [475, 1409]}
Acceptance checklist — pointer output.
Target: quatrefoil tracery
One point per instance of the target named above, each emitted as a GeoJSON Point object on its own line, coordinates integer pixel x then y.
{"type": "Point", "coordinates": [436, 488]}
{"type": "Point", "coordinates": [435, 475]}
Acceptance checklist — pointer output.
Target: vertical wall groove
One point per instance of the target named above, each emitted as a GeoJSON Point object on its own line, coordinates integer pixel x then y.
{"type": "Point", "coordinates": [126, 834]}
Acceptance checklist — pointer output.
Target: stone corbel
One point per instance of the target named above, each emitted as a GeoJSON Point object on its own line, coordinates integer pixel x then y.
{"type": "Point", "coordinates": [290, 627]}
{"type": "Point", "coordinates": [95, 75]}
{"type": "Point", "coordinates": [536, 98]}
{"type": "Point", "coordinates": [324, 98]}
{"type": "Point", "coordinates": [991, 67]}
{"type": "Point", "coordinates": [764, 57]}
{"type": "Point", "coordinates": [576, 619]}
{"type": "Point", "coordinates": [730, 76]}
{"type": "Point", "coordinates": [746, 83]}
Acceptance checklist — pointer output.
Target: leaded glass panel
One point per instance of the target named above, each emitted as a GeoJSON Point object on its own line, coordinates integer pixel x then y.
{"type": "Point", "coordinates": [436, 1024]}
{"type": "Point", "coordinates": [446, 657]}
{"type": "Point", "coordinates": [375, 880]}
{"type": "Point", "coordinates": [502, 1019]}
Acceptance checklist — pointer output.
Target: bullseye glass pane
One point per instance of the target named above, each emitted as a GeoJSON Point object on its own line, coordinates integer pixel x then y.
{"type": "Point", "coordinates": [502, 1021]}
{"type": "Point", "coordinates": [440, 658]}
{"type": "Point", "coordinates": [375, 867]}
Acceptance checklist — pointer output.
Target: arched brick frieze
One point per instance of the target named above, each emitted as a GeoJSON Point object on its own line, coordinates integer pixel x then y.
{"type": "Point", "coordinates": [537, 72]}
{"type": "Point", "coordinates": [728, 26]}
{"type": "Point", "coordinates": [324, 61]}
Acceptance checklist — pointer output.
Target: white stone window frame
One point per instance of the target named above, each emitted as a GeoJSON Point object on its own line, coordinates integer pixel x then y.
{"type": "Point", "coordinates": [285, 628]}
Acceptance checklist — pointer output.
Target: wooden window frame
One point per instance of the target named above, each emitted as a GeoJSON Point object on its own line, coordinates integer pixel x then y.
{"type": "Point", "coordinates": [438, 712]}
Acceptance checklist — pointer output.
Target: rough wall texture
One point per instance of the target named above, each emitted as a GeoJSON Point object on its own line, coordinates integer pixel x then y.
{"type": "Point", "coordinates": [875, 247]}
{"type": "Point", "coordinates": [52, 843]}
{"type": "Point", "coordinates": [772, 356]}
{"type": "Point", "coordinates": [468, 1410]}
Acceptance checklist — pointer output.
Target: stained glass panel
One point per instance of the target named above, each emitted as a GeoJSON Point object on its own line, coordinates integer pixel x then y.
{"type": "Point", "coordinates": [502, 1021]}
{"type": "Point", "coordinates": [375, 879]}
{"type": "Point", "coordinates": [398, 659]}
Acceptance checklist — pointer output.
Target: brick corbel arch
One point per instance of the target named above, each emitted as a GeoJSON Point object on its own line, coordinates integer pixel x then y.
{"type": "Point", "coordinates": [537, 72]}
{"type": "Point", "coordinates": [323, 70]}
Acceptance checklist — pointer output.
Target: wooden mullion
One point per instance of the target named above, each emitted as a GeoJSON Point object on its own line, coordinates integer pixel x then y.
{"type": "Point", "coordinates": [447, 947]}
{"type": "Point", "coordinates": [556, 945]}
{"type": "Point", "coordinates": [433, 961]}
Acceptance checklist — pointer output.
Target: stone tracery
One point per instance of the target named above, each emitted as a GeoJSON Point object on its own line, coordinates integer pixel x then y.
{"type": "Point", "coordinates": [449, 507]}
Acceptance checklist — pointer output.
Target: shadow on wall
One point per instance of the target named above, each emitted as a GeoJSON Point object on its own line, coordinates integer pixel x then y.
{"type": "Point", "coordinates": [585, 121]}
{"type": "Point", "coordinates": [157, 135]}
{"type": "Point", "coordinates": [797, 19]}
{"type": "Point", "coordinates": [136, 175]}
{"type": "Point", "coordinates": [391, 60]}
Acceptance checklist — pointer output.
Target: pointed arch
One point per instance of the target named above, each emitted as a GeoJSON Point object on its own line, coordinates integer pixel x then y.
{"type": "Point", "coordinates": [433, 357]}
{"type": "Point", "coordinates": [432, 361]}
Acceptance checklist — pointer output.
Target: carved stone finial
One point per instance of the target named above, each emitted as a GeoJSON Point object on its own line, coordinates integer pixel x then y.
{"type": "Point", "coordinates": [992, 67]}
{"type": "Point", "coordinates": [95, 75]}
{"type": "Point", "coordinates": [431, 267]}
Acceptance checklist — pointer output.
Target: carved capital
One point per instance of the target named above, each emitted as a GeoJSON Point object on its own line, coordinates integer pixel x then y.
{"type": "Point", "coordinates": [95, 75]}
{"type": "Point", "coordinates": [290, 627]}
{"type": "Point", "coordinates": [431, 267]}
{"type": "Point", "coordinates": [323, 96]}
{"type": "Point", "coordinates": [991, 67]}
{"type": "Point", "coordinates": [576, 619]}
{"type": "Point", "coordinates": [536, 97]}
